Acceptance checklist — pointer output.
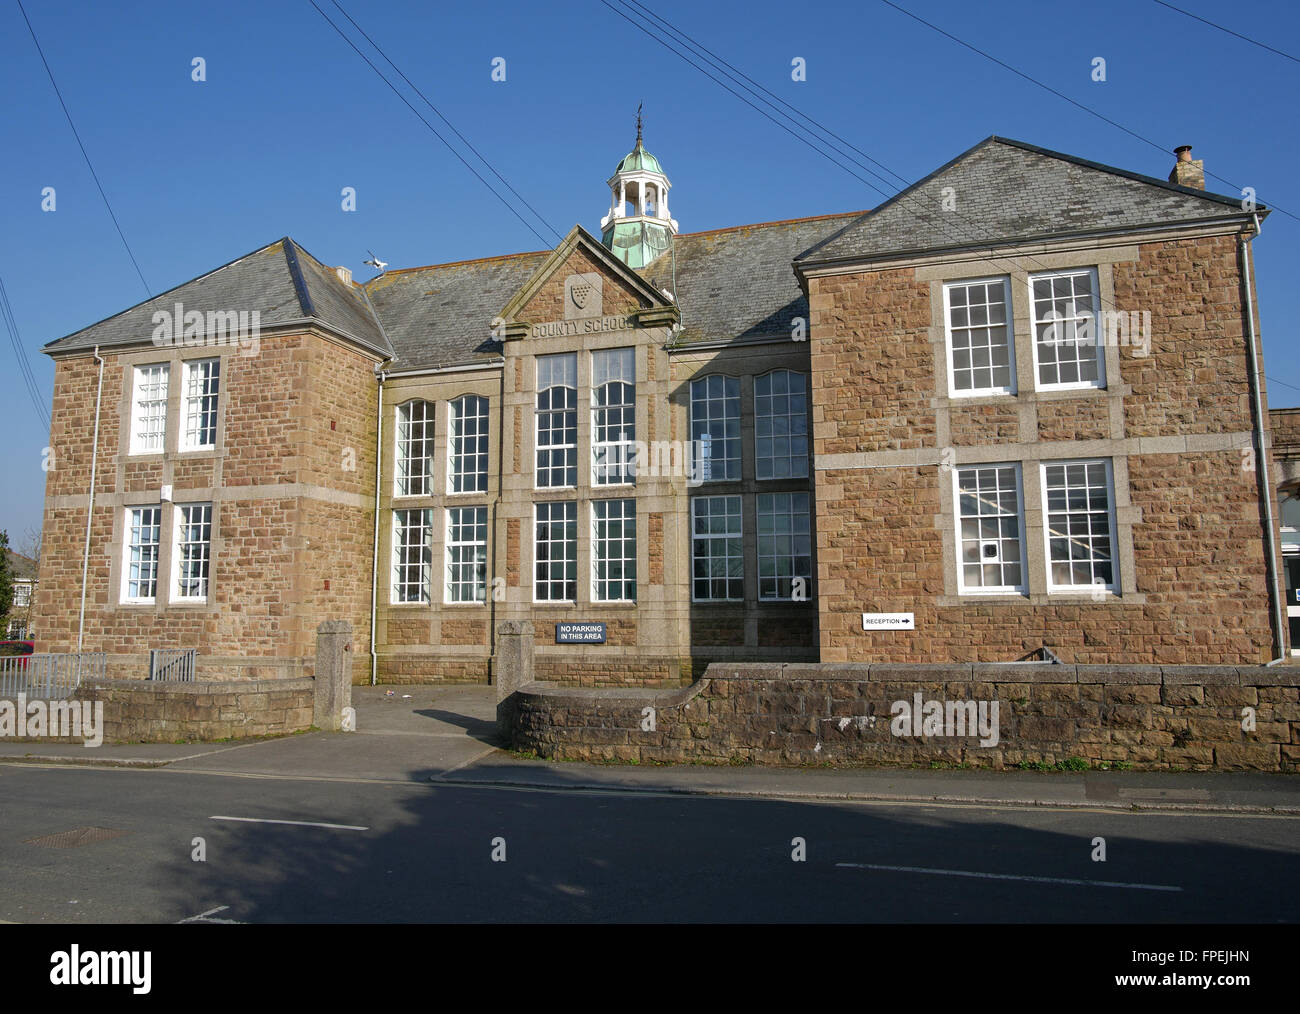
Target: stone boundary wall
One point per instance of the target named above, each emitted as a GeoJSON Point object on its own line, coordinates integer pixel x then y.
{"type": "Point", "coordinates": [214, 668]}
{"type": "Point", "coordinates": [140, 711]}
{"type": "Point", "coordinates": [1150, 717]}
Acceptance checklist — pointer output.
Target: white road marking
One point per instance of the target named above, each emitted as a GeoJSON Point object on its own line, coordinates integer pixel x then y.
{"type": "Point", "coordinates": [296, 823]}
{"type": "Point", "coordinates": [1010, 876]}
{"type": "Point", "coordinates": [207, 917]}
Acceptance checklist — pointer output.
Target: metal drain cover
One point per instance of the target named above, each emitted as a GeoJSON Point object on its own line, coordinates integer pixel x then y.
{"type": "Point", "coordinates": [77, 836]}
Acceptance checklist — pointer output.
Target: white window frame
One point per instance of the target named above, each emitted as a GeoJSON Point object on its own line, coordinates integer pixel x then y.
{"type": "Point", "coordinates": [960, 541]}
{"type": "Point", "coordinates": [453, 570]}
{"type": "Point", "coordinates": [791, 418]}
{"type": "Point", "coordinates": [206, 375]}
{"type": "Point", "coordinates": [621, 470]}
{"type": "Point", "coordinates": [791, 513]}
{"type": "Point", "coordinates": [475, 479]}
{"type": "Point", "coordinates": [712, 538]}
{"type": "Point", "coordinates": [1098, 337]}
{"type": "Point", "coordinates": [1113, 534]}
{"type": "Point", "coordinates": [156, 411]}
{"type": "Point", "coordinates": [424, 544]}
{"type": "Point", "coordinates": [570, 449]}
{"type": "Point", "coordinates": [570, 557]}
{"type": "Point", "coordinates": [601, 545]}
{"type": "Point", "coordinates": [1009, 324]}
{"type": "Point", "coordinates": [130, 528]}
{"type": "Point", "coordinates": [701, 429]}
{"type": "Point", "coordinates": [417, 436]}
{"type": "Point", "coordinates": [180, 525]}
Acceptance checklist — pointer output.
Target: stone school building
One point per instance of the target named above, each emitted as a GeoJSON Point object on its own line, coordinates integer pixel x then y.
{"type": "Point", "coordinates": [1014, 412]}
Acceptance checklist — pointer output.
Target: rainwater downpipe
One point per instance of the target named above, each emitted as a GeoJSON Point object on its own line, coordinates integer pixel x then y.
{"type": "Point", "coordinates": [374, 562]}
{"type": "Point", "coordinates": [1256, 391]}
{"type": "Point", "coordinates": [90, 504]}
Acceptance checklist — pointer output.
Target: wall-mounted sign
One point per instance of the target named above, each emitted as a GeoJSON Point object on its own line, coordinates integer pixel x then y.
{"type": "Point", "coordinates": [591, 325]}
{"type": "Point", "coordinates": [888, 621]}
{"type": "Point", "coordinates": [580, 633]}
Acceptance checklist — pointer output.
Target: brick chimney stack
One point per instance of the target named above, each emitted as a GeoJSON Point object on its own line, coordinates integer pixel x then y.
{"type": "Point", "coordinates": [1188, 172]}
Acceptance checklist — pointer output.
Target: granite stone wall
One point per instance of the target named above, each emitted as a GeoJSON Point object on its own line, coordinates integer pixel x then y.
{"type": "Point", "coordinates": [1147, 717]}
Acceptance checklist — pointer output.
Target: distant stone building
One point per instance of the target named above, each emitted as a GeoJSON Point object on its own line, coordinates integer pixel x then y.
{"type": "Point", "coordinates": [1011, 409]}
{"type": "Point", "coordinates": [18, 623]}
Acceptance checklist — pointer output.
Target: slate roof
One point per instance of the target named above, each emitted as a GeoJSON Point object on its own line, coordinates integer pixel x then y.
{"type": "Point", "coordinates": [281, 280]}
{"type": "Point", "coordinates": [738, 283]}
{"type": "Point", "coordinates": [441, 315]}
{"type": "Point", "coordinates": [23, 568]}
{"type": "Point", "coordinates": [1012, 192]}
{"type": "Point", "coordinates": [730, 284]}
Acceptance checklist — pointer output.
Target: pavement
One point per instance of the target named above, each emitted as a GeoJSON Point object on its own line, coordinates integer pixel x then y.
{"type": "Point", "coordinates": [447, 734]}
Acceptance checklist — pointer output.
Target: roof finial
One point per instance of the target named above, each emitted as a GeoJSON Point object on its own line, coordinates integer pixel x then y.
{"type": "Point", "coordinates": [638, 123]}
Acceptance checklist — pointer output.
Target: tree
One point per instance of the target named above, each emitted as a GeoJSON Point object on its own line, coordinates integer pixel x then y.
{"type": "Point", "coordinates": [6, 582]}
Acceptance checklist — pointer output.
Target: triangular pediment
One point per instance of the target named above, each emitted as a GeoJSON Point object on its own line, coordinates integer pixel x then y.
{"type": "Point", "coordinates": [582, 281]}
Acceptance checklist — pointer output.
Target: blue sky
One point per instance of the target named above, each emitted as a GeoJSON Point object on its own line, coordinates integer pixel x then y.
{"type": "Point", "coordinates": [200, 173]}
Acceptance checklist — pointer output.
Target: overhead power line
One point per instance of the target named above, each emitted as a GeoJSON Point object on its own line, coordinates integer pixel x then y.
{"type": "Point", "coordinates": [84, 153]}
{"type": "Point", "coordinates": [450, 147]}
{"type": "Point", "coordinates": [1061, 95]}
{"type": "Point", "coordinates": [718, 63]}
{"type": "Point", "coordinates": [1245, 38]}
{"type": "Point", "coordinates": [448, 122]}
{"type": "Point", "coordinates": [20, 353]}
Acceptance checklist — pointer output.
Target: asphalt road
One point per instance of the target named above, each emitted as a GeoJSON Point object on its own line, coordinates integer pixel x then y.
{"type": "Point", "coordinates": [422, 852]}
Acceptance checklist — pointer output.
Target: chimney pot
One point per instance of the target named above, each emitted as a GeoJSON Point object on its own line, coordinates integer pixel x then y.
{"type": "Point", "coordinates": [1187, 171]}
{"type": "Point", "coordinates": [345, 275]}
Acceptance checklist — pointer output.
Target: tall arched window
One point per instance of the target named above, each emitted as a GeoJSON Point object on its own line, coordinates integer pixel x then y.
{"type": "Point", "coordinates": [414, 465]}
{"type": "Point", "coordinates": [613, 416]}
{"type": "Point", "coordinates": [467, 445]}
{"type": "Point", "coordinates": [557, 420]}
{"type": "Point", "coordinates": [715, 428]}
{"type": "Point", "coordinates": [781, 425]}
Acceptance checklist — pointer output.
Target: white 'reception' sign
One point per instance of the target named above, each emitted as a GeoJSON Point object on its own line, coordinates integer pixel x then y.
{"type": "Point", "coordinates": [888, 621]}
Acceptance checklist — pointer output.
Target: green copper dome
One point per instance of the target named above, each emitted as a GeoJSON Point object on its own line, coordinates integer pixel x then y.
{"type": "Point", "coordinates": [639, 158]}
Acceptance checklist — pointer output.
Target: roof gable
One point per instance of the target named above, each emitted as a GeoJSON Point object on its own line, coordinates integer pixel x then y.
{"type": "Point", "coordinates": [281, 282]}
{"type": "Point", "coordinates": [580, 249]}
{"type": "Point", "coordinates": [1003, 191]}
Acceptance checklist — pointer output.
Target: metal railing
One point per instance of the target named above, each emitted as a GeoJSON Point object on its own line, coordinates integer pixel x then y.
{"type": "Point", "coordinates": [172, 664]}
{"type": "Point", "coordinates": [54, 675]}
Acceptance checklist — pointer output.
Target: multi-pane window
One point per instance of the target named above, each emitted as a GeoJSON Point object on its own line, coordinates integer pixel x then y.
{"type": "Point", "coordinates": [414, 448]}
{"type": "Point", "coordinates": [412, 554]}
{"type": "Point", "coordinates": [1078, 506]}
{"type": "Point", "coordinates": [467, 445]}
{"type": "Point", "coordinates": [715, 428]}
{"type": "Point", "coordinates": [1067, 345]}
{"type": "Point", "coordinates": [149, 409]}
{"type": "Point", "coordinates": [144, 525]}
{"type": "Point", "coordinates": [202, 383]}
{"type": "Point", "coordinates": [781, 425]}
{"type": "Point", "coordinates": [981, 356]}
{"type": "Point", "coordinates": [613, 416]}
{"type": "Point", "coordinates": [555, 552]}
{"type": "Point", "coordinates": [990, 543]}
{"type": "Point", "coordinates": [717, 550]}
{"type": "Point", "coordinates": [466, 554]}
{"type": "Point", "coordinates": [193, 555]}
{"type": "Point", "coordinates": [784, 547]}
{"type": "Point", "coordinates": [613, 550]}
{"type": "Point", "coordinates": [557, 420]}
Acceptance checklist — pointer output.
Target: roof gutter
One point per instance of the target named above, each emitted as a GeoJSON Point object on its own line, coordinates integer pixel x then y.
{"type": "Point", "coordinates": [90, 502]}
{"type": "Point", "coordinates": [1261, 454]}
